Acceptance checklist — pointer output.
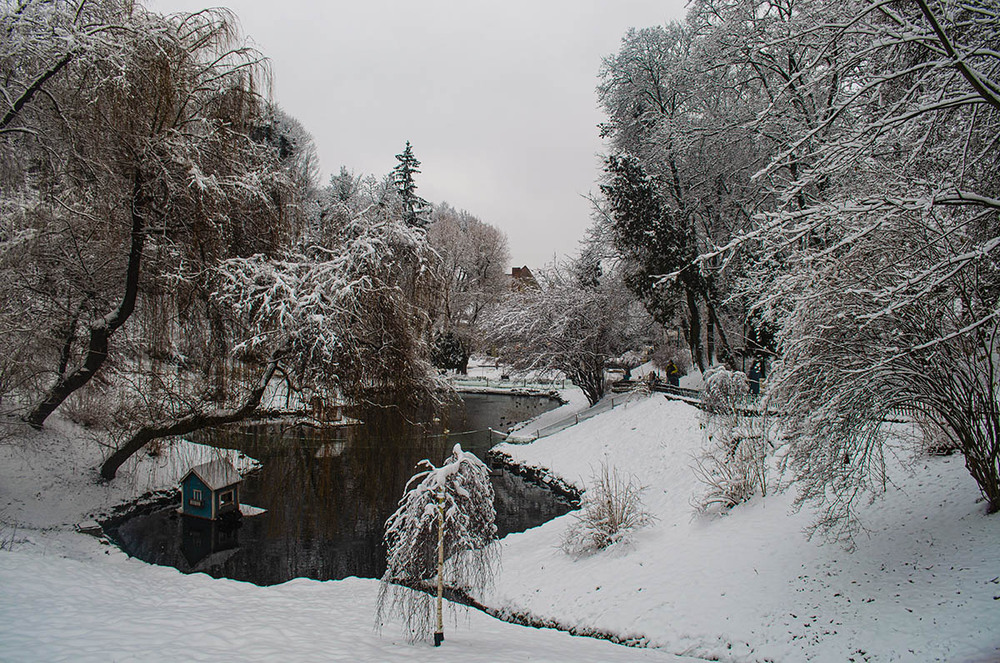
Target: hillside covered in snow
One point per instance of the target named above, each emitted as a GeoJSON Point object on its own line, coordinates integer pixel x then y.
{"type": "Point", "coordinates": [920, 585]}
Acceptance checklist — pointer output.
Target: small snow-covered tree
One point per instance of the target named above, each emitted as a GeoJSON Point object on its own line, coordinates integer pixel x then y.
{"type": "Point", "coordinates": [444, 526]}
{"type": "Point", "coordinates": [725, 391]}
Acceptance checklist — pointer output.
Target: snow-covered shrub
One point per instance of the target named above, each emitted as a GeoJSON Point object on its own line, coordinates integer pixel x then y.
{"type": "Point", "coordinates": [733, 470]}
{"type": "Point", "coordinates": [934, 440]}
{"type": "Point", "coordinates": [733, 466]}
{"type": "Point", "coordinates": [725, 391]}
{"type": "Point", "coordinates": [445, 525]}
{"type": "Point", "coordinates": [612, 509]}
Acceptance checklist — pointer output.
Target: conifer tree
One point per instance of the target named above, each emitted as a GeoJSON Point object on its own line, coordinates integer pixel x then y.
{"type": "Point", "coordinates": [654, 240]}
{"type": "Point", "coordinates": [414, 207]}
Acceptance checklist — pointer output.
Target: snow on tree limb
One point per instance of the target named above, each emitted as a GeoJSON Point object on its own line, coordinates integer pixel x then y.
{"type": "Point", "coordinates": [874, 237]}
{"type": "Point", "coordinates": [458, 494]}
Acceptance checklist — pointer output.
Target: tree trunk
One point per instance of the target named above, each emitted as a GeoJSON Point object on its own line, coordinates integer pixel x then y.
{"type": "Point", "coordinates": [725, 352]}
{"type": "Point", "coordinates": [101, 330]}
{"type": "Point", "coordinates": [439, 633]}
{"type": "Point", "coordinates": [710, 339]}
{"type": "Point", "coordinates": [694, 334]}
{"type": "Point", "coordinates": [590, 380]}
{"type": "Point", "coordinates": [188, 424]}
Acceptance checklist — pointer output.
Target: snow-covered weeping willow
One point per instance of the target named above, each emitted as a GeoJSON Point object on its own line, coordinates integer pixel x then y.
{"type": "Point", "coordinates": [456, 500]}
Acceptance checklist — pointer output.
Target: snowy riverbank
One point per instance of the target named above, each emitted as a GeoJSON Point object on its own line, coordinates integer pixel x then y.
{"type": "Point", "coordinates": [922, 585]}
{"type": "Point", "coordinates": [73, 597]}
{"type": "Point", "coordinates": [745, 587]}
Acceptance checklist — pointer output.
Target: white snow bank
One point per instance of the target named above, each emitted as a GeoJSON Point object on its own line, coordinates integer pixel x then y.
{"type": "Point", "coordinates": [58, 609]}
{"type": "Point", "coordinates": [49, 478]}
{"type": "Point", "coordinates": [922, 586]}
{"type": "Point", "coordinates": [66, 596]}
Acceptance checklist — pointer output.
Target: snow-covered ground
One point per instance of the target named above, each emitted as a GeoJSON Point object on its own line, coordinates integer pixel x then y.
{"type": "Point", "coordinates": [67, 596]}
{"type": "Point", "coordinates": [49, 479]}
{"type": "Point", "coordinates": [922, 585]}
{"type": "Point", "coordinates": [57, 609]}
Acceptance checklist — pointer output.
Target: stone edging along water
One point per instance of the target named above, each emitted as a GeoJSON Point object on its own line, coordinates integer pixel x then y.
{"type": "Point", "coordinates": [536, 475]}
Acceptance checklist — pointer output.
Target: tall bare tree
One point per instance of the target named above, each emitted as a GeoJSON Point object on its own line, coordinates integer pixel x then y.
{"type": "Point", "coordinates": [159, 232]}
{"type": "Point", "coordinates": [882, 252]}
{"type": "Point", "coordinates": [567, 326]}
{"type": "Point", "coordinates": [473, 274]}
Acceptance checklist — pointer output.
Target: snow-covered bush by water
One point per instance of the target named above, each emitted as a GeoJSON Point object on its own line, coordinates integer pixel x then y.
{"type": "Point", "coordinates": [612, 509]}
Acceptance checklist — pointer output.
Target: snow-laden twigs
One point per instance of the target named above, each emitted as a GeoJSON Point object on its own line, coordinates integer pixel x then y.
{"type": "Point", "coordinates": [566, 327]}
{"type": "Point", "coordinates": [612, 510]}
{"type": "Point", "coordinates": [867, 199]}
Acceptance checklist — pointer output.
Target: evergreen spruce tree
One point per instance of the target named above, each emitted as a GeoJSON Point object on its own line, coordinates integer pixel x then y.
{"type": "Point", "coordinates": [654, 240]}
{"type": "Point", "coordinates": [414, 207]}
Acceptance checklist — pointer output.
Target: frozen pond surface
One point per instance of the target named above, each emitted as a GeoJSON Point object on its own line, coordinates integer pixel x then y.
{"type": "Point", "coordinates": [328, 494]}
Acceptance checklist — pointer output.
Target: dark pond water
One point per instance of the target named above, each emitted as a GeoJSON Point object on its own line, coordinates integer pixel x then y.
{"type": "Point", "coordinates": [328, 494]}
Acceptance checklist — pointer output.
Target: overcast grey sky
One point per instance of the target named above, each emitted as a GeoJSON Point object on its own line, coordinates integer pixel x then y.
{"type": "Point", "coordinates": [497, 97]}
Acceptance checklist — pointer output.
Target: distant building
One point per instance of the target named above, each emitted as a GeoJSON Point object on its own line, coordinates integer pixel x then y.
{"type": "Point", "coordinates": [521, 279]}
{"type": "Point", "coordinates": [211, 490]}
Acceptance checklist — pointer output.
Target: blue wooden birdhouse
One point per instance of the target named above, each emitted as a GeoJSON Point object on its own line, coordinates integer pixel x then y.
{"type": "Point", "coordinates": [211, 491]}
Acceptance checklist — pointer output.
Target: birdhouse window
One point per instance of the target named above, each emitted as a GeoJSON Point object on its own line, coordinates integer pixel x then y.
{"type": "Point", "coordinates": [196, 498]}
{"type": "Point", "coordinates": [226, 498]}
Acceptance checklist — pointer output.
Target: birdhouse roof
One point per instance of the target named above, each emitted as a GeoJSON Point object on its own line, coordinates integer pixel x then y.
{"type": "Point", "coordinates": [216, 474]}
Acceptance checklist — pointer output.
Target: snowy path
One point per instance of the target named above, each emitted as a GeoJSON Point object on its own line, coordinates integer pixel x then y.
{"type": "Point", "coordinates": [538, 428]}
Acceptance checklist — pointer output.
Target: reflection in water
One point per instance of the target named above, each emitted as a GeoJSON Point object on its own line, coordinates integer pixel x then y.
{"type": "Point", "coordinates": [207, 543]}
{"type": "Point", "coordinates": [329, 492]}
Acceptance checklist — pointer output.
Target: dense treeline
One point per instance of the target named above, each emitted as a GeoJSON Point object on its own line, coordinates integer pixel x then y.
{"type": "Point", "coordinates": [819, 180]}
{"type": "Point", "coordinates": [167, 257]}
